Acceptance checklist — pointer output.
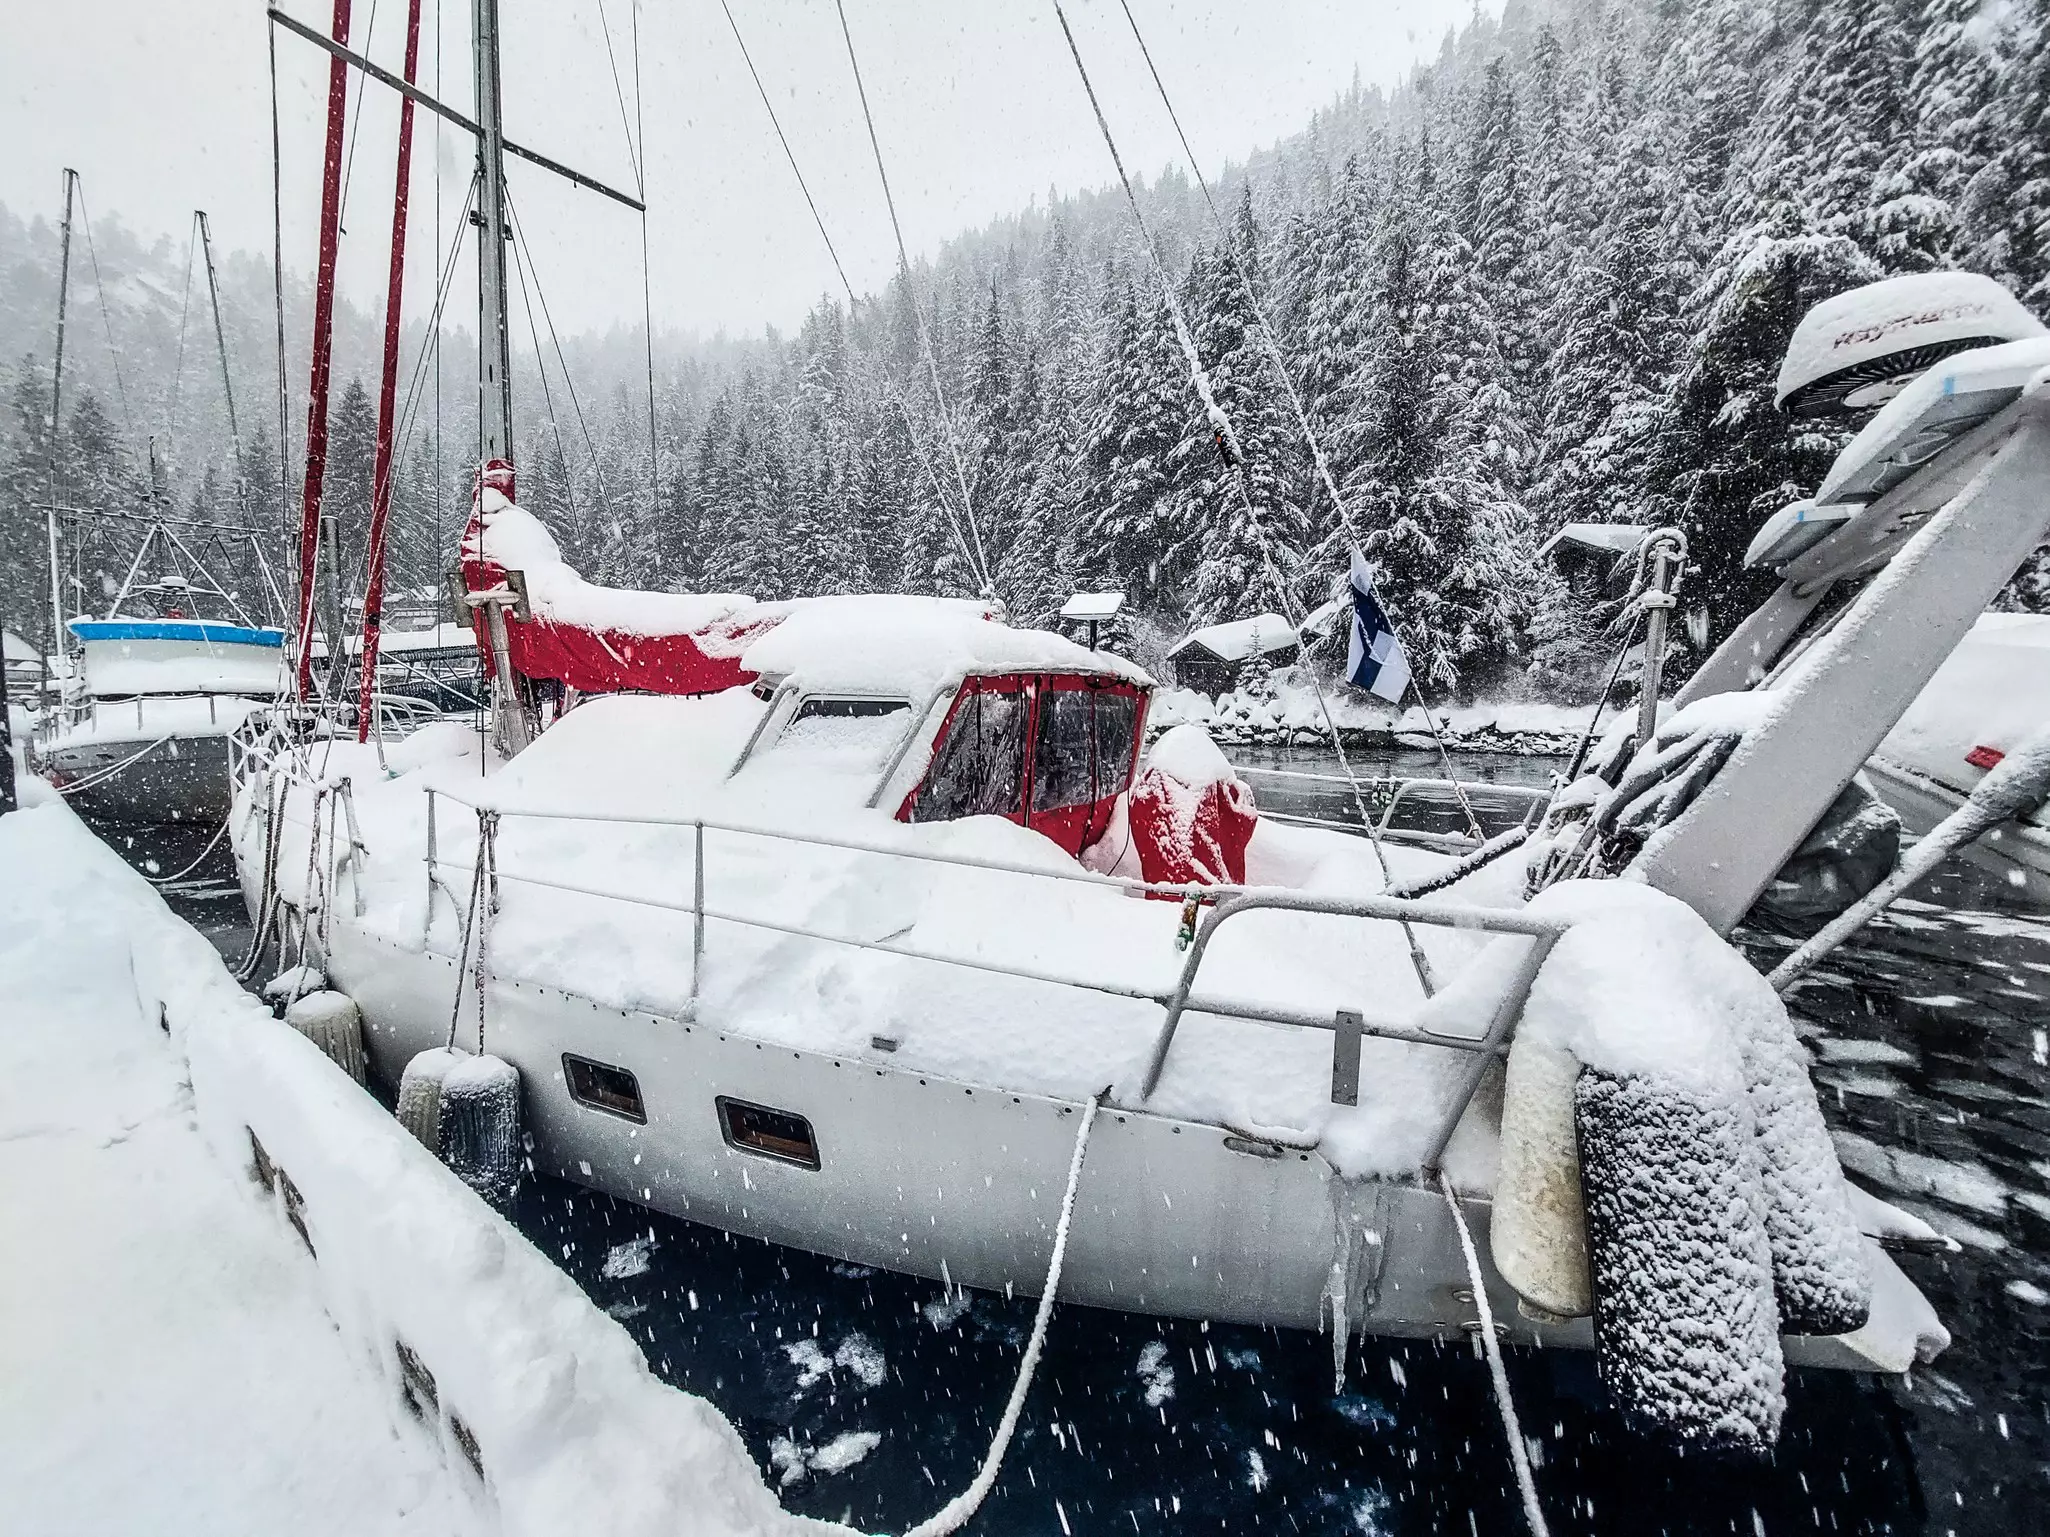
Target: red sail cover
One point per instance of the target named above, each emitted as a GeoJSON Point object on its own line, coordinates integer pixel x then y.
{"type": "Point", "coordinates": [604, 658]}
{"type": "Point", "coordinates": [1189, 835]}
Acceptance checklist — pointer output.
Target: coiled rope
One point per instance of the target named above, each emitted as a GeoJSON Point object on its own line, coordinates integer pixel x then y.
{"type": "Point", "coordinates": [958, 1511]}
{"type": "Point", "coordinates": [1519, 1457]}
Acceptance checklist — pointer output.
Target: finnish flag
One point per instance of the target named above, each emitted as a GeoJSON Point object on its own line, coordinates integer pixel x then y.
{"type": "Point", "coordinates": [1374, 661]}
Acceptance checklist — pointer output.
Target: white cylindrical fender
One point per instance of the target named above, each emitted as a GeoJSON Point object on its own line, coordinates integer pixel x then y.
{"type": "Point", "coordinates": [419, 1106]}
{"type": "Point", "coordinates": [480, 1126]}
{"type": "Point", "coordinates": [332, 1022]}
{"type": "Point", "coordinates": [1539, 1228]}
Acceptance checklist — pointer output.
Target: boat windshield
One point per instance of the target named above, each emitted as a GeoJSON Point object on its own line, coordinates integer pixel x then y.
{"type": "Point", "coordinates": [842, 736]}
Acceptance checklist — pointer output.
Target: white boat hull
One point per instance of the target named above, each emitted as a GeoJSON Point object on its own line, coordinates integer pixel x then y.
{"type": "Point", "coordinates": [961, 1184]}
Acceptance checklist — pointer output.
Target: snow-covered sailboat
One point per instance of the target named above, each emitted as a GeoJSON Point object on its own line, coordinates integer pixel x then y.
{"type": "Point", "coordinates": [865, 925]}
{"type": "Point", "coordinates": [817, 921]}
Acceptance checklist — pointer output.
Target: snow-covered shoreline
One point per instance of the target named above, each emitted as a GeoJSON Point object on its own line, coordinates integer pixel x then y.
{"type": "Point", "coordinates": [1288, 713]}
{"type": "Point", "coordinates": [515, 1404]}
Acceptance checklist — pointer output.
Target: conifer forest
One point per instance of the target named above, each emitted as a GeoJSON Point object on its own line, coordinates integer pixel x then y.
{"type": "Point", "coordinates": [1548, 280]}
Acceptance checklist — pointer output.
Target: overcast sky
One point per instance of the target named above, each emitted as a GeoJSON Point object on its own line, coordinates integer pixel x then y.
{"type": "Point", "coordinates": [164, 107]}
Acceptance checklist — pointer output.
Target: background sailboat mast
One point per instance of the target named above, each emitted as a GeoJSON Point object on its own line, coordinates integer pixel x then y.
{"type": "Point", "coordinates": [494, 335]}
{"type": "Point", "coordinates": [57, 422]}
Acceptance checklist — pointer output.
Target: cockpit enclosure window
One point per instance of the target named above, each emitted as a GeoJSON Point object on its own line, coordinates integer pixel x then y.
{"type": "Point", "coordinates": [1082, 750]}
{"type": "Point", "coordinates": [1053, 751]}
{"type": "Point", "coordinates": [978, 769]}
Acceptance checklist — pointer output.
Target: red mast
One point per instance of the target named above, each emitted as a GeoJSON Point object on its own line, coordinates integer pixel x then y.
{"type": "Point", "coordinates": [323, 346]}
{"type": "Point", "coordinates": [387, 394]}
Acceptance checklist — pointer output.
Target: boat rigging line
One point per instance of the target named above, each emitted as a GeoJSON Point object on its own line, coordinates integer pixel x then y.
{"type": "Point", "coordinates": [57, 647]}
{"type": "Point", "coordinates": [1271, 345]}
{"type": "Point", "coordinates": [356, 122]}
{"type": "Point", "coordinates": [277, 273]}
{"type": "Point", "coordinates": [184, 309]}
{"type": "Point", "coordinates": [523, 253]}
{"type": "Point", "coordinates": [569, 490]}
{"type": "Point", "coordinates": [637, 158]}
{"type": "Point", "coordinates": [213, 291]}
{"type": "Point", "coordinates": [1227, 440]}
{"type": "Point", "coordinates": [981, 560]}
{"type": "Point", "coordinates": [853, 302]}
{"type": "Point", "coordinates": [100, 292]}
{"type": "Point", "coordinates": [387, 398]}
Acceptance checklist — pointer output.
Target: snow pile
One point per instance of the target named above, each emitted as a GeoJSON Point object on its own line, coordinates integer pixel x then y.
{"type": "Point", "coordinates": [442, 1304]}
{"type": "Point", "coordinates": [169, 1366]}
{"type": "Point", "coordinates": [515, 540]}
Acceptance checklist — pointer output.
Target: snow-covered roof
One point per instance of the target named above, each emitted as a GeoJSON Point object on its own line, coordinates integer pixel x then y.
{"type": "Point", "coordinates": [442, 637]}
{"type": "Point", "coordinates": [1611, 538]}
{"type": "Point", "coordinates": [909, 646]}
{"type": "Point", "coordinates": [1318, 620]}
{"type": "Point", "coordinates": [1099, 606]}
{"type": "Point", "coordinates": [1261, 635]}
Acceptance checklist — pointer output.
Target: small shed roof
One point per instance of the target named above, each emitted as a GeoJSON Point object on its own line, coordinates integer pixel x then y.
{"type": "Point", "coordinates": [1611, 538]}
{"type": "Point", "coordinates": [1261, 635]}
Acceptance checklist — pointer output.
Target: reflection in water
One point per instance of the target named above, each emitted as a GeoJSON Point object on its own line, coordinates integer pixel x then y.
{"type": "Point", "coordinates": [870, 1397]}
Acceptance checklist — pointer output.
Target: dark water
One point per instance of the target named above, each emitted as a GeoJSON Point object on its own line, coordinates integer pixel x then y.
{"type": "Point", "coordinates": [1931, 1055]}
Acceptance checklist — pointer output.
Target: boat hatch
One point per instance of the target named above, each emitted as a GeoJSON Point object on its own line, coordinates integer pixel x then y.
{"type": "Point", "coordinates": [779, 1134]}
{"type": "Point", "coordinates": [604, 1087]}
{"type": "Point", "coordinates": [1050, 751]}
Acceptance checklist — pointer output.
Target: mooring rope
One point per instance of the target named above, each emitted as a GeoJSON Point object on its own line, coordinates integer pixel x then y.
{"type": "Point", "coordinates": [958, 1511]}
{"type": "Point", "coordinates": [211, 844]}
{"type": "Point", "coordinates": [101, 776]}
{"type": "Point", "coordinates": [1519, 1456]}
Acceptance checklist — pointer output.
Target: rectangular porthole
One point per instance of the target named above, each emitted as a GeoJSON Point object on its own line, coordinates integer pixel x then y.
{"type": "Point", "coordinates": [776, 1134]}
{"type": "Point", "coordinates": [604, 1087]}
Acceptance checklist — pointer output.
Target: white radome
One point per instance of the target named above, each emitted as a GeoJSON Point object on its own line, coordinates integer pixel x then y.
{"type": "Point", "coordinates": [1860, 349]}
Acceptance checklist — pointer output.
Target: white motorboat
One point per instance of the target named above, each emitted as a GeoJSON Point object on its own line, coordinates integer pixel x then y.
{"type": "Point", "coordinates": [141, 735]}
{"type": "Point", "coordinates": [1983, 703]}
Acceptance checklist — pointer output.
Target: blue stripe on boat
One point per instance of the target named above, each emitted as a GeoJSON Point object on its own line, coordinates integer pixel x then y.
{"type": "Point", "coordinates": [89, 630]}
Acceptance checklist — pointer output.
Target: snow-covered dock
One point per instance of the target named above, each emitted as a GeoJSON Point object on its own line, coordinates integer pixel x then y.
{"type": "Point", "coordinates": [332, 1335]}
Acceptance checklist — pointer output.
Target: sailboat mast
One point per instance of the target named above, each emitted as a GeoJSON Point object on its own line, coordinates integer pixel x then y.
{"type": "Point", "coordinates": [494, 335]}
{"type": "Point", "coordinates": [57, 420]}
